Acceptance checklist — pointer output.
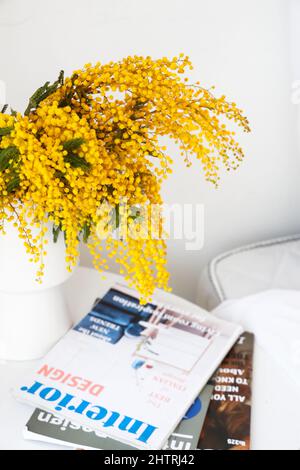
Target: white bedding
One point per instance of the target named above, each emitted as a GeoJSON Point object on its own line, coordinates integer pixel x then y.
{"type": "Point", "coordinates": [274, 317]}
{"type": "Point", "coordinates": [237, 279]}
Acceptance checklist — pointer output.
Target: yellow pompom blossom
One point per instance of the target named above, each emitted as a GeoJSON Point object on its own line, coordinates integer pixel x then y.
{"type": "Point", "coordinates": [94, 139]}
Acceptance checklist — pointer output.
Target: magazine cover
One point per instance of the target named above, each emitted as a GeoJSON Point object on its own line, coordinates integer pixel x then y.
{"type": "Point", "coordinates": [130, 371]}
{"type": "Point", "coordinates": [227, 423]}
{"type": "Point", "coordinates": [44, 426]}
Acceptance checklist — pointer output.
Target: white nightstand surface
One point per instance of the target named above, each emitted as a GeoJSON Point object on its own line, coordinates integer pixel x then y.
{"type": "Point", "coordinates": [275, 411]}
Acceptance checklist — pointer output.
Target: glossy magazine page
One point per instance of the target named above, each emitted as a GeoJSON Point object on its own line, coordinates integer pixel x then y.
{"type": "Point", "coordinates": [227, 423]}
{"type": "Point", "coordinates": [130, 371]}
{"type": "Point", "coordinates": [44, 426]}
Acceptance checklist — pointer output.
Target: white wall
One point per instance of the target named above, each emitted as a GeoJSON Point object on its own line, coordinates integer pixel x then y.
{"type": "Point", "coordinates": [239, 45]}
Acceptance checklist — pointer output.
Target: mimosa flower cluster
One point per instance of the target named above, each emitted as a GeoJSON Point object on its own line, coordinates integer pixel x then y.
{"type": "Point", "coordinates": [94, 138]}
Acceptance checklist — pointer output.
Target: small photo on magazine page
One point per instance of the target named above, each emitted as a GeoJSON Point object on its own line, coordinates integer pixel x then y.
{"type": "Point", "coordinates": [168, 331]}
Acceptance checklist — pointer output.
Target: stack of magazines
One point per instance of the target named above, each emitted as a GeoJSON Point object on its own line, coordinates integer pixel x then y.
{"type": "Point", "coordinates": [131, 376]}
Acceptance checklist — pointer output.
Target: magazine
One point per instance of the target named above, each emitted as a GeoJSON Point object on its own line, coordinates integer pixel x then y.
{"type": "Point", "coordinates": [128, 370]}
{"type": "Point", "coordinates": [44, 426]}
{"type": "Point", "coordinates": [186, 435]}
{"type": "Point", "coordinates": [227, 423]}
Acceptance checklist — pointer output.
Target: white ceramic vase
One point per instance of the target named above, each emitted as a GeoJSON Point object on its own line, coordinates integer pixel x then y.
{"type": "Point", "coordinates": [32, 316]}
